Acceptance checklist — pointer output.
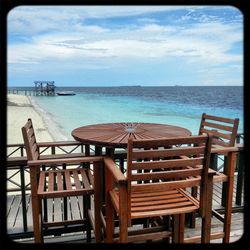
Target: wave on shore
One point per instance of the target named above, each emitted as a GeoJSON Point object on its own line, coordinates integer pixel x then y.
{"type": "Point", "coordinates": [51, 125]}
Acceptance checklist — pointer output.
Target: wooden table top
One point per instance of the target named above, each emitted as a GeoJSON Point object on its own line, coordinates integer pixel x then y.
{"type": "Point", "coordinates": [117, 134]}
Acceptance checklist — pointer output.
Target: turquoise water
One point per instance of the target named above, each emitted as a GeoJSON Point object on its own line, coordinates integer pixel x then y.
{"type": "Point", "coordinates": [180, 106]}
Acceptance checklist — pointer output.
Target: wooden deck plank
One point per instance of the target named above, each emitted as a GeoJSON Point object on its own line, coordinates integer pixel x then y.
{"type": "Point", "coordinates": [75, 208]}
{"type": "Point", "coordinates": [10, 202]}
{"type": "Point", "coordinates": [50, 210]}
{"type": "Point", "coordinates": [58, 209]}
{"type": "Point", "coordinates": [29, 213]}
{"type": "Point", "coordinates": [80, 204]}
{"type": "Point", "coordinates": [13, 214]}
{"type": "Point", "coordinates": [14, 209]}
{"type": "Point", "coordinates": [217, 226]}
{"type": "Point", "coordinates": [80, 238]}
{"type": "Point", "coordinates": [19, 219]}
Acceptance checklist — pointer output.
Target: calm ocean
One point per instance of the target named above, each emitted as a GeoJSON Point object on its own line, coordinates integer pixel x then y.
{"type": "Point", "coordinates": [177, 105]}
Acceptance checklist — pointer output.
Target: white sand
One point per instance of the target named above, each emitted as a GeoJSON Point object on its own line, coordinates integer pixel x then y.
{"type": "Point", "coordinates": [19, 109]}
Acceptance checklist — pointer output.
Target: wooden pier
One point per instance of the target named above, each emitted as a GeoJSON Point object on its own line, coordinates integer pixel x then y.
{"type": "Point", "coordinates": [44, 87]}
{"type": "Point", "coordinates": [41, 88]}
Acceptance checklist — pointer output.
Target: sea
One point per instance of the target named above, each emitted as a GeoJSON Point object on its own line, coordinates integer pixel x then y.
{"type": "Point", "coordinates": [174, 105]}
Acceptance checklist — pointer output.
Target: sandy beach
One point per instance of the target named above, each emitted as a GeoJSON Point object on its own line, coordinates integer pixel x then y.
{"type": "Point", "coordinates": [19, 109]}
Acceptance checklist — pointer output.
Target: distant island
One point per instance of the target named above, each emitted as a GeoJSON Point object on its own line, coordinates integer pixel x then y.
{"type": "Point", "coordinates": [134, 86]}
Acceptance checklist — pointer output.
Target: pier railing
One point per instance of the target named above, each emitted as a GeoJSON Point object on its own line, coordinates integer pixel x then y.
{"type": "Point", "coordinates": [18, 183]}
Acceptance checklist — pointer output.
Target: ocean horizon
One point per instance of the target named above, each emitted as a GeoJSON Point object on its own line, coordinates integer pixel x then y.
{"type": "Point", "coordinates": [174, 105]}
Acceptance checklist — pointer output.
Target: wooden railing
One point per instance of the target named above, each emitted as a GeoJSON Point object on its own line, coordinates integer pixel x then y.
{"type": "Point", "coordinates": [240, 171]}
{"type": "Point", "coordinates": [18, 172]}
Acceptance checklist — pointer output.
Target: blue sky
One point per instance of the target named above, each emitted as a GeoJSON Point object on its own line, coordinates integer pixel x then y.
{"type": "Point", "coordinates": [125, 45]}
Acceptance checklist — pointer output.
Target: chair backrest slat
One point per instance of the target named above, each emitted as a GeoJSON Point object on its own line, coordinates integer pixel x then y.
{"type": "Point", "coordinates": [218, 126]}
{"type": "Point", "coordinates": [156, 143]}
{"type": "Point", "coordinates": [219, 119]}
{"type": "Point", "coordinates": [149, 187]}
{"type": "Point", "coordinates": [216, 134]}
{"type": "Point", "coordinates": [223, 129]}
{"type": "Point", "coordinates": [166, 164]}
{"type": "Point", "coordinates": [30, 141]}
{"type": "Point", "coordinates": [151, 153]}
{"type": "Point", "coordinates": [171, 174]}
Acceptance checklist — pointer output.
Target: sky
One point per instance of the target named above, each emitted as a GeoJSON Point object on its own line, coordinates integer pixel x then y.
{"type": "Point", "coordinates": [125, 45]}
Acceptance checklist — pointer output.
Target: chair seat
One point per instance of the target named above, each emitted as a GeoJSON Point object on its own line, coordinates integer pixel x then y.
{"type": "Point", "coordinates": [62, 183]}
{"type": "Point", "coordinates": [158, 203]}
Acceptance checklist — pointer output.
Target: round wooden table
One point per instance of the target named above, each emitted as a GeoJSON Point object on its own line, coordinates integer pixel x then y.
{"type": "Point", "coordinates": [117, 134]}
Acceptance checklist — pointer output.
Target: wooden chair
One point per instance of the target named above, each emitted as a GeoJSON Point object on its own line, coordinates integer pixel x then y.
{"type": "Point", "coordinates": [171, 166]}
{"type": "Point", "coordinates": [55, 182]}
{"type": "Point", "coordinates": [224, 131]}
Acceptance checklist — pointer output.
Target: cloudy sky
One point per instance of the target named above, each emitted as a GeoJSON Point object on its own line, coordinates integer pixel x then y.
{"type": "Point", "coordinates": [125, 45]}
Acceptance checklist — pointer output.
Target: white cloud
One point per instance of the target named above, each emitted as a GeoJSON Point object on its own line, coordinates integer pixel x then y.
{"type": "Point", "coordinates": [61, 37]}
{"type": "Point", "coordinates": [31, 20]}
{"type": "Point", "coordinates": [202, 42]}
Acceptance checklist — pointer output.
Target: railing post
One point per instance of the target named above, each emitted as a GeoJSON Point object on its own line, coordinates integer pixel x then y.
{"type": "Point", "coordinates": [239, 187]}
{"type": "Point", "coordinates": [121, 163]}
{"type": "Point", "coordinates": [53, 150]}
{"type": "Point", "coordinates": [23, 195]}
{"type": "Point", "coordinates": [87, 150]}
{"type": "Point", "coordinates": [214, 161]}
{"type": "Point", "coordinates": [45, 206]}
{"type": "Point", "coordinates": [87, 153]}
{"type": "Point", "coordinates": [22, 151]}
{"type": "Point", "coordinates": [82, 147]}
{"type": "Point", "coordinates": [98, 150]}
{"type": "Point", "coordinates": [86, 200]}
{"type": "Point", "coordinates": [224, 185]}
{"type": "Point", "coordinates": [65, 207]}
{"type": "Point", "coordinates": [240, 170]}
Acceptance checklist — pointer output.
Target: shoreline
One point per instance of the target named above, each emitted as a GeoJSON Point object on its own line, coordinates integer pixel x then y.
{"type": "Point", "coordinates": [19, 109]}
{"type": "Point", "coordinates": [51, 125]}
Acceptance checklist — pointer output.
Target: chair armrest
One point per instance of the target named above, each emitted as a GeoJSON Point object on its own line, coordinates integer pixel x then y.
{"type": "Point", "coordinates": [65, 160]}
{"type": "Point", "coordinates": [116, 172]}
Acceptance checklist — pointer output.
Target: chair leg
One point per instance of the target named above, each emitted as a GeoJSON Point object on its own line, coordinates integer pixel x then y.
{"type": "Point", "coordinates": [37, 219]}
{"type": "Point", "coordinates": [123, 213]}
{"type": "Point", "coordinates": [192, 215]}
{"type": "Point", "coordinates": [86, 206]}
{"type": "Point", "coordinates": [166, 221]}
{"type": "Point", "coordinates": [206, 219]}
{"type": "Point", "coordinates": [181, 227]}
{"type": "Point", "coordinates": [98, 200]}
{"type": "Point", "coordinates": [175, 230]}
{"type": "Point", "coordinates": [123, 224]}
{"type": "Point", "coordinates": [178, 228]}
{"type": "Point", "coordinates": [109, 220]}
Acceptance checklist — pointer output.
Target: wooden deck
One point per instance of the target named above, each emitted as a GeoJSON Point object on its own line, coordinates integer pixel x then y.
{"type": "Point", "coordinates": [80, 237]}
{"type": "Point", "coordinates": [75, 208]}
